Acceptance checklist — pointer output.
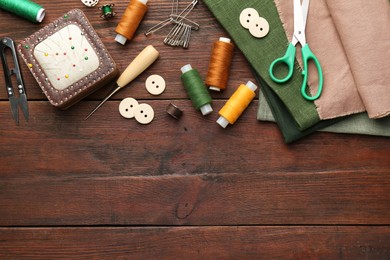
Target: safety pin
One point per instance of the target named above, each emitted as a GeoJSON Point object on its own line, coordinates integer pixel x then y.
{"type": "Point", "coordinates": [194, 25]}
{"type": "Point", "coordinates": [173, 32]}
{"type": "Point", "coordinates": [188, 37]}
{"type": "Point", "coordinates": [178, 17]}
{"type": "Point", "coordinates": [159, 26]}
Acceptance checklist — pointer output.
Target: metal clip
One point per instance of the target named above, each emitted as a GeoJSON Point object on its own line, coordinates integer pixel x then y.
{"type": "Point", "coordinates": [21, 98]}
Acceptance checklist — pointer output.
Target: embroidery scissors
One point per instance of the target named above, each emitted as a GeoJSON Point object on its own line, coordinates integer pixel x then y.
{"type": "Point", "coordinates": [21, 98]}
{"type": "Point", "coordinates": [300, 17]}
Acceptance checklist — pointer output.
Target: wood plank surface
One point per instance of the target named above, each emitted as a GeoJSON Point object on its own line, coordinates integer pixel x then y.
{"type": "Point", "coordinates": [208, 199]}
{"type": "Point", "coordinates": [110, 188]}
{"type": "Point", "coordinates": [197, 243]}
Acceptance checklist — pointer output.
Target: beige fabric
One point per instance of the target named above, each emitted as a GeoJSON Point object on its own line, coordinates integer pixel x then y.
{"type": "Point", "coordinates": [356, 68]}
{"type": "Point", "coordinates": [339, 95]}
{"type": "Point", "coordinates": [364, 29]}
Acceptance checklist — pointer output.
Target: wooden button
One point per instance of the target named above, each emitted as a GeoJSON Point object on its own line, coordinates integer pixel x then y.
{"type": "Point", "coordinates": [144, 114]}
{"type": "Point", "coordinates": [155, 84]}
{"type": "Point", "coordinates": [259, 27]}
{"type": "Point", "coordinates": [247, 16]}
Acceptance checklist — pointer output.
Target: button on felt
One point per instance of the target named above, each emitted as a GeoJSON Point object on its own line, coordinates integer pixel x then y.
{"type": "Point", "coordinates": [155, 84]}
{"type": "Point", "coordinates": [144, 114]}
{"type": "Point", "coordinates": [259, 27]}
{"type": "Point", "coordinates": [247, 16]}
{"type": "Point", "coordinates": [127, 107]}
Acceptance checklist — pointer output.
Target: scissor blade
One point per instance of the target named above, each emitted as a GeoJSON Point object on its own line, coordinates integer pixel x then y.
{"type": "Point", "coordinates": [14, 109]}
{"type": "Point", "coordinates": [299, 28]}
{"type": "Point", "coordinates": [23, 105]}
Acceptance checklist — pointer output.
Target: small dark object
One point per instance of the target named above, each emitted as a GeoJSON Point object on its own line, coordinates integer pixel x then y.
{"type": "Point", "coordinates": [174, 111]}
{"type": "Point", "coordinates": [107, 11]}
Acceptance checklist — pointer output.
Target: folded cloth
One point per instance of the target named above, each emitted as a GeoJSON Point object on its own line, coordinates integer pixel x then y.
{"type": "Point", "coordinates": [354, 124]}
{"type": "Point", "coordinates": [260, 53]}
{"type": "Point", "coordinates": [364, 29]}
{"type": "Point", "coordinates": [285, 121]}
{"type": "Point", "coordinates": [340, 96]}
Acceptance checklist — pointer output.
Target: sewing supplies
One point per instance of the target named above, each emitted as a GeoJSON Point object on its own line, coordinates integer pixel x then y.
{"type": "Point", "coordinates": [180, 34]}
{"type": "Point", "coordinates": [155, 84]}
{"type": "Point", "coordinates": [257, 25]}
{"type": "Point", "coordinates": [68, 59]}
{"type": "Point", "coordinates": [90, 3]}
{"type": "Point", "coordinates": [24, 8]}
{"type": "Point", "coordinates": [196, 89]}
{"type": "Point", "coordinates": [140, 63]}
{"type": "Point", "coordinates": [219, 66]}
{"type": "Point", "coordinates": [127, 107]}
{"type": "Point", "coordinates": [174, 111]}
{"type": "Point", "coordinates": [130, 20]}
{"type": "Point", "coordinates": [21, 98]}
{"type": "Point", "coordinates": [300, 17]}
{"type": "Point", "coordinates": [107, 11]}
{"type": "Point", "coordinates": [236, 104]}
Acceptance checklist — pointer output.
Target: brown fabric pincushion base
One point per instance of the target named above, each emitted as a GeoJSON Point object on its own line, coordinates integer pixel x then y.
{"type": "Point", "coordinates": [68, 59]}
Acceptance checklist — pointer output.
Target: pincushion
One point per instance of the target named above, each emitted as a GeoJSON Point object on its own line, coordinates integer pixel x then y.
{"type": "Point", "coordinates": [68, 59]}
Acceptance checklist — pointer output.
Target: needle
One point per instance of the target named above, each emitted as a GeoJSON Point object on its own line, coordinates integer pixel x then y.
{"type": "Point", "coordinates": [143, 60]}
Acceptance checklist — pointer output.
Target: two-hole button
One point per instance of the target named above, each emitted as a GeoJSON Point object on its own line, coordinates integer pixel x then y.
{"type": "Point", "coordinates": [144, 114]}
{"type": "Point", "coordinates": [155, 84]}
{"type": "Point", "coordinates": [127, 107]}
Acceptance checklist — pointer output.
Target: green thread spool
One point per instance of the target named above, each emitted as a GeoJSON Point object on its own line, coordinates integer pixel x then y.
{"type": "Point", "coordinates": [107, 11]}
{"type": "Point", "coordinates": [196, 89]}
{"type": "Point", "coordinates": [24, 8]}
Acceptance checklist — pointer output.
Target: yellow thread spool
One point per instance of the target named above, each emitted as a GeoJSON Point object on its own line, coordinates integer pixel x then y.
{"type": "Point", "coordinates": [236, 104]}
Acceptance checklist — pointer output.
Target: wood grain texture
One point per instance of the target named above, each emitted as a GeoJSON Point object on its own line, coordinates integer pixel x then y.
{"type": "Point", "coordinates": [207, 199]}
{"type": "Point", "coordinates": [112, 188]}
{"type": "Point", "coordinates": [197, 243]}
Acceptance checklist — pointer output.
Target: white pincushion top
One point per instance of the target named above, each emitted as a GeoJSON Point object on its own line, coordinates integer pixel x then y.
{"type": "Point", "coordinates": [66, 57]}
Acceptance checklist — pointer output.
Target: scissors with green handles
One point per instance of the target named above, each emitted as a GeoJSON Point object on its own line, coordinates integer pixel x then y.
{"type": "Point", "coordinates": [300, 17]}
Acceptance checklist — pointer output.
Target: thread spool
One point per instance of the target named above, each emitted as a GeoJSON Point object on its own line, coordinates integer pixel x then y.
{"type": "Point", "coordinates": [236, 104]}
{"type": "Point", "coordinates": [24, 8]}
{"type": "Point", "coordinates": [130, 20]}
{"type": "Point", "coordinates": [196, 89]}
{"type": "Point", "coordinates": [219, 66]}
{"type": "Point", "coordinates": [107, 11]}
{"type": "Point", "coordinates": [174, 111]}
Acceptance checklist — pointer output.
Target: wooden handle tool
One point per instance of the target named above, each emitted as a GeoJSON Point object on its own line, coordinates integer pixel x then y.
{"type": "Point", "coordinates": [140, 63]}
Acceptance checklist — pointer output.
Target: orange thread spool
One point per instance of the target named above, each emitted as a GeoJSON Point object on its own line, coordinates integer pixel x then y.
{"type": "Point", "coordinates": [130, 20]}
{"type": "Point", "coordinates": [236, 104]}
{"type": "Point", "coordinates": [219, 67]}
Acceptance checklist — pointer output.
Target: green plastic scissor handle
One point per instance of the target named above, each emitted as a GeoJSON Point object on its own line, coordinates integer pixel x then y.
{"type": "Point", "coordinates": [288, 59]}
{"type": "Point", "coordinates": [306, 56]}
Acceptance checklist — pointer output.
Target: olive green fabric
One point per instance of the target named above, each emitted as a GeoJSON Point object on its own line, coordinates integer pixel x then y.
{"type": "Point", "coordinates": [354, 124]}
{"type": "Point", "coordinates": [261, 52]}
{"type": "Point", "coordinates": [285, 121]}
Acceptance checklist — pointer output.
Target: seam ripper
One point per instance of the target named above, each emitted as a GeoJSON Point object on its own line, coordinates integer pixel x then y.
{"type": "Point", "coordinates": [14, 100]}
{"type": "Point", "coordinates": [140, 63]}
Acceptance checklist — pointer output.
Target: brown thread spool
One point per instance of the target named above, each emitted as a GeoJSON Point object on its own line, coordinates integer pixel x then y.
{"type": "Point", "coordinates": [130, 20]}
{"type": "Point", "coordinates": [219, 67]}
{"type": "Point", "coordinates": [174, 111]}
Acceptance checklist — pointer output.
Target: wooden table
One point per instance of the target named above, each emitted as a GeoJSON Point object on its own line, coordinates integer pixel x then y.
{"type": "Point", "coordinates": [112, 188]}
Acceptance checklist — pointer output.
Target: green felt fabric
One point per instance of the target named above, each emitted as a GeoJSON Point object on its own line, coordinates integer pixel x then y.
{"type": "Point", "coordinates": [285, 121]}
{"type": "Point", "coordinates": [261, 52]}
{"type": "Point", "coordinates": [354, 124]}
